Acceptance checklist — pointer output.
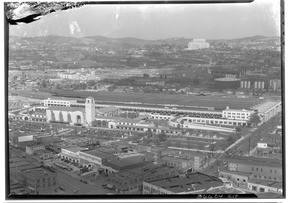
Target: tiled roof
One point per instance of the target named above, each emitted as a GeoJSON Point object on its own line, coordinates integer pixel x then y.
{"type": "Point", "coordinates": [107, 109]}
{"type": "Point", "coordinates": [66, 108]}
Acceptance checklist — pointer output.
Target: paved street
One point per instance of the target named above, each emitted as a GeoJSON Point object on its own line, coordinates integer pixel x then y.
{"type": "Point", "coordinates": [242, 148]}
{"type": "Point", "coordinates": [251, 141]}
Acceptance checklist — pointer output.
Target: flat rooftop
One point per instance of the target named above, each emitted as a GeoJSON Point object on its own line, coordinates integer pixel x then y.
{"type": "Point", "coordinates": [144, 171]}
{"type": "Point", "coordinates": [61, 99]}
{"type": "Point", "coordinates": [74, 149]}
{"type": "Point", "coordinates": [66, 108]}
{"type": "Point", "coordinates": [80, 139]}
{"type": "Point", "coordinates": [261, 108]}
{"type": "Point", "coordinates": [225, 190]}
{"type": "Point", "coordinates": [38, 172]}
{"type": "Point", "coordinates": [127, 163]}
{"type": "Point", "coordinates": [189, 183]}
{"type": "Point", "coordinates": [179, 158]}
{"type": "Point", "coordinates": [227, 79]}
{"type": "Point", "coordinates": [101, 154]}
{"type": "Point", "coordinates": [236, 172]}
{"type": "Point", "coordinates": [255, 161]}
{"type": "Point", "coordinates": [107, 109]}
{"type": "Point", "coordinates": [274, 184]}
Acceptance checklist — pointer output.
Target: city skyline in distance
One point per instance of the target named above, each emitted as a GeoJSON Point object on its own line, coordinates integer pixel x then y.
{"type": "Point", "coordinates": [154, 22]}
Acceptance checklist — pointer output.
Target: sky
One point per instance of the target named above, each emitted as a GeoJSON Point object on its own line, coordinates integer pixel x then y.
{"type": "Point", "coordinates": [209, 21]}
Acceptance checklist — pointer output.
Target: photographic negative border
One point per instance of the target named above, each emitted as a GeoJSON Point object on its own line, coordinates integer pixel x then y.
{"type": "Point", "coordinates": [130, 197]}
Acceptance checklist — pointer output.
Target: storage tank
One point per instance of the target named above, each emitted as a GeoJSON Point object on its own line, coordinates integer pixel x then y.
{"type": "Point", "coordinates": [227, 83]}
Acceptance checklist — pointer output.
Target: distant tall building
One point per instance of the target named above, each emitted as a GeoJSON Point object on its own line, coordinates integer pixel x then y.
{"type": "Point", "coordinates": [252, 84]}
{"type": "Point", "coordinates": [275, 84]}
{"type": "Point", "coordinates": [90, 110]}
{"type": "Point", "coordinates": [198, 44]}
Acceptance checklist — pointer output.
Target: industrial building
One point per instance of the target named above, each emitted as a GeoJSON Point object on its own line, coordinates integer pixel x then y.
{"type": "Point", "coordinates": [267, 110]}
{"type": "Point", "coordinates": [131, 181]}
{"type": "Point", "coordinates": [37, 180]}
{"type": "Point", "coordinates": [227, 83]}
{"type": "Point", "coordinates": [59, 102]}
{"type": "Point", "coordinates": [194, 183]}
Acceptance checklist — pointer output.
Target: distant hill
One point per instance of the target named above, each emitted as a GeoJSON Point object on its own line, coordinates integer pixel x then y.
{"type": "Point", "coordinates": [252, 38]}
{"type": "Point", "coordinates": [129, 42]}
{"type": "Point", "coordinates": [47, 39]}
{"type": "Point", "coordinates": [179, 41]}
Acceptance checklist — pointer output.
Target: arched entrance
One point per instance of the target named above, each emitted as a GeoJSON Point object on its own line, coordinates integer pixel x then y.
{"type": "Point", "coordinates": [69, 118]}
{"type": "Point", "coordinates": [78, 119]}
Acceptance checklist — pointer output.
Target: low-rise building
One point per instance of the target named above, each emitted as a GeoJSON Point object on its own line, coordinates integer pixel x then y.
{"type": "Point", "coordinates": [39, 180]}
{"type": "Point", "coordinates": [238, 179]}
{"type": "Point", "coordinates": [46, 139]}
{"type": "Point", "coordinates": [194, 183]}
{"type": "Point", "coordinates": [236, 114]}
{"type": "Point", "coordinates": [71, 153]}
{"type": "Point", "coordinates": [116, 165]}
{"type": "Point", "coordinates": [36, 179]}
{"type": "Point", "coordinates": [94, 159]}
{"type": "Point", "coordinates": [260, 168]}
{"type": "Point", "coordinates": [252, 173]}
{"type": "Point", "coordinates": [271, 140]}
{"type": "Point", "coordinates": [82, 141]}
{"type": "Point", "coordinates": [31, 149]}
{"type": "Point", "coordinates": [131, 181]}
{"type": "Point", "coordinates": [39, 116]}
{"type": "Point", "coordinates": [182, 163]}
{"type": "Point", "coordinates": [111, 111]}
{"type": "Point", "coordinates": [264, 186]}
{"type": "Point", "coordinates": [267, 110]}
{"type": "Point", "coordinates": [140, 124]}
{"type": "Point", "coordinates": [59, 102]}
{"type": "Point", "coordinates": [44, 154]}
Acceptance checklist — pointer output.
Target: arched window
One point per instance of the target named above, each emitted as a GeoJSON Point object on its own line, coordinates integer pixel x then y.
{"type": "Point", "coordinates": [78, 119]}
{"type": "Point", "coordinates": [52, 116]}
{"type": "Point", "coordinates": [61, 119]}
{"type": "Point", "coordinates": [69, 118]}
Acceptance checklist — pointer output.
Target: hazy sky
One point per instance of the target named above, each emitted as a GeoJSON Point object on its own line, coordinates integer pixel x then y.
{"type": "Point", "coordinates": [214, 21]}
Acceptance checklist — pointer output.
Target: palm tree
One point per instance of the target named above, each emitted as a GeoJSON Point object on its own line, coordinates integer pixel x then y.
{"type": "Point", "coordinates": [254, 119]}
